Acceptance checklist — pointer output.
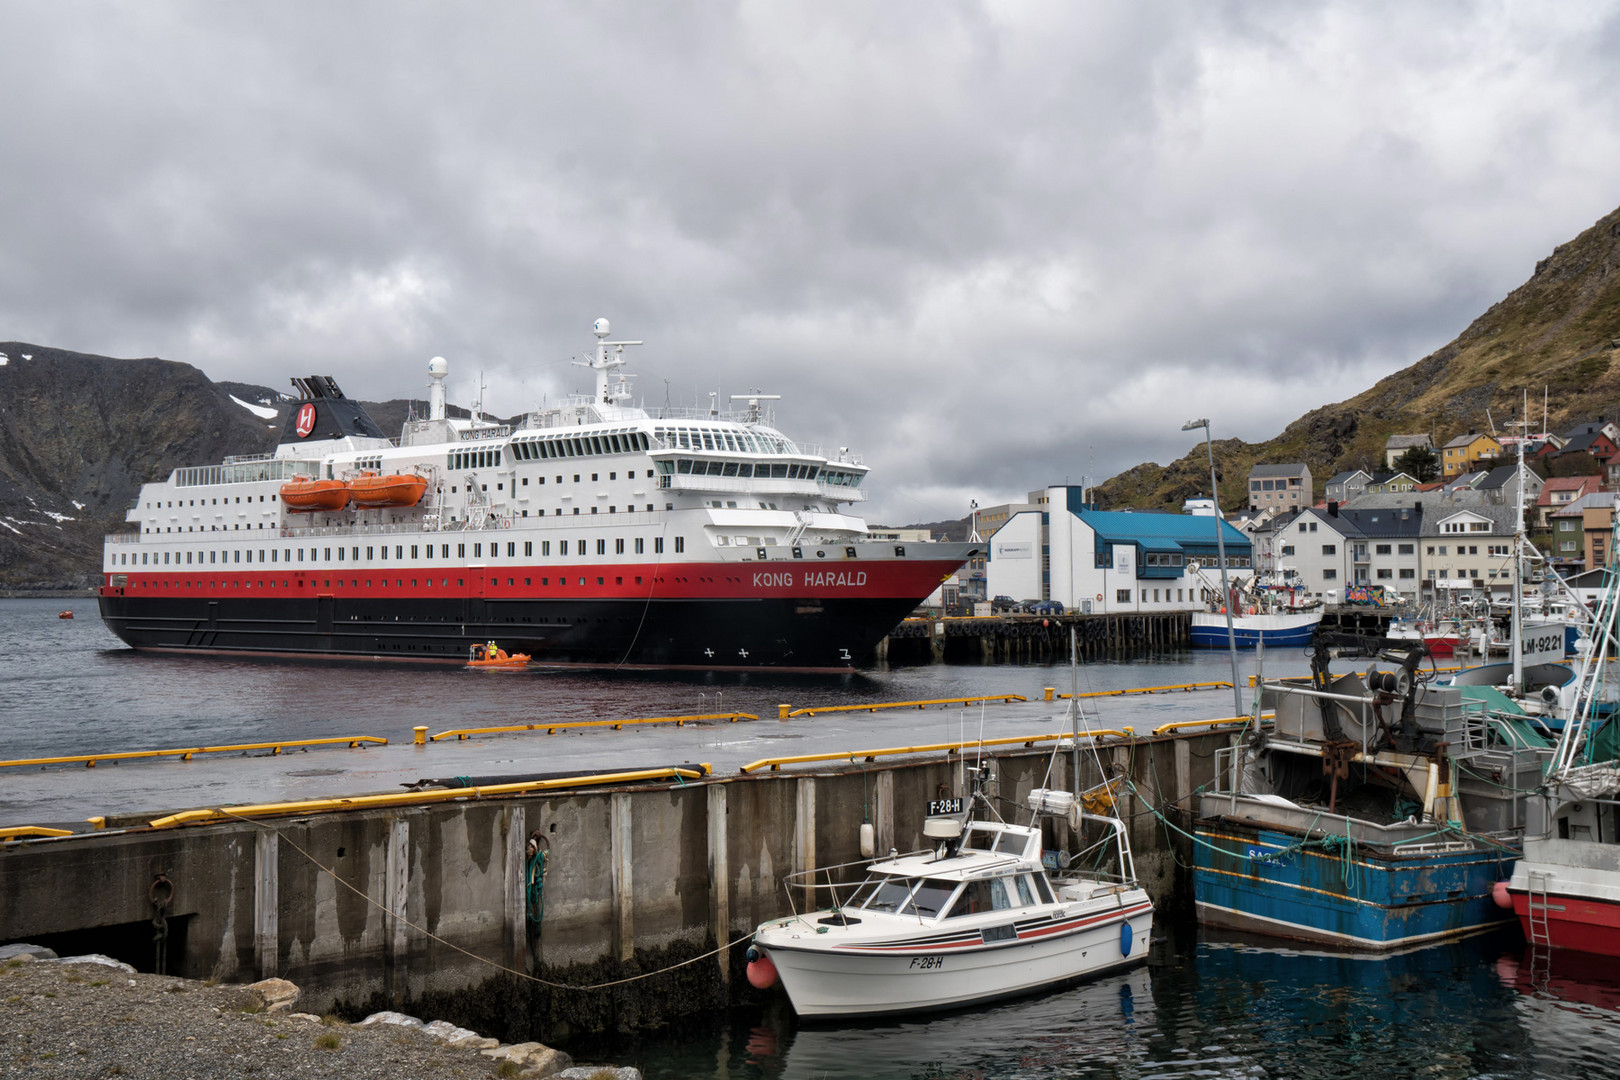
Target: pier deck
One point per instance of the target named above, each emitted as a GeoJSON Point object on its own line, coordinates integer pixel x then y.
{"type": "Point", "coordinates": [66, 795]}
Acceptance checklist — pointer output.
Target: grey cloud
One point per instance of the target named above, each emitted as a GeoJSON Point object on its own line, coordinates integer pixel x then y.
{"type": "Point", "coordinates": [990, 245]}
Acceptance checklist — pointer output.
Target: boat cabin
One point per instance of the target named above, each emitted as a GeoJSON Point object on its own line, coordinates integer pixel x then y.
{"type": "Point", "coordinates": [993, 867]}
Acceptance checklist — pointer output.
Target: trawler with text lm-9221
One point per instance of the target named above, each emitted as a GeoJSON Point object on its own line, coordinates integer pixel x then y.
{"type": "Point", "coordinates": [595, 534]}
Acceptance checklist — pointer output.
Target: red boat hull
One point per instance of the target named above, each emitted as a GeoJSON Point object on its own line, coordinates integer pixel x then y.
{"type": "Point", "coordinates": [1573, 922]}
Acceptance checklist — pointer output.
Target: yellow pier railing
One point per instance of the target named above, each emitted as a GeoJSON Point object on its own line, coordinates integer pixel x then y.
{"type": "Point", "coordinates": [419, 798]}
{"type": "Point", "coordinates": [774, 764]}
{"type": "Point", "coordinates": [554, 726]}
{"type": "Point", "coordinates": [783, 711]}
{"type": "Point", "coordinates": [1178, 688]}
{"type": "Point", "coordinates": [186, 753]}
{"type": "Point", "coordinates": [1186, 725]}
{"type": "Point", "coordinates": [31, 832]}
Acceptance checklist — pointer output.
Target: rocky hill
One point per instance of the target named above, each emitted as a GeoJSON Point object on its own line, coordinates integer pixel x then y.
{"type": "Point", "coordinates": [1560, 331]}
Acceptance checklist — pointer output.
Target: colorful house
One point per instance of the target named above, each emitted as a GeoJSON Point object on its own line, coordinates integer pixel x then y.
{"type": "Point", "coordinates": [1460, 454]}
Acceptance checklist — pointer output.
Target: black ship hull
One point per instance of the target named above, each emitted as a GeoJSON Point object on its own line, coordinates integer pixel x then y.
{"type": "Point", "coordinates": [712, 633]}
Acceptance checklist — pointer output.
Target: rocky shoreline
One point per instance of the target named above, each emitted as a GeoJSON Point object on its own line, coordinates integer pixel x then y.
{"type": "Point", "coordinates": [94, 1017]}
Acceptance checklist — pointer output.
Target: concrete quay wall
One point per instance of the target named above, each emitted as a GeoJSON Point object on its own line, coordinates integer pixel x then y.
{"type": "Point", "coordinates": [407, 904]}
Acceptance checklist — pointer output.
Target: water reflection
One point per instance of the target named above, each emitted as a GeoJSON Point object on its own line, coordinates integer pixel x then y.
{"type": "Point", "coordinates": [1222, 1006]}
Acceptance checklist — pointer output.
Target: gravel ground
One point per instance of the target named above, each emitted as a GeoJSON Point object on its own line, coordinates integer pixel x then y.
{"type": "Point", "coordinates": [89, 1021]}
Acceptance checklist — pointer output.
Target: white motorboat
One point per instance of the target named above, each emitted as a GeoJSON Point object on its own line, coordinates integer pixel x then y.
{"type": "Point", "coordinates": [976, 919]}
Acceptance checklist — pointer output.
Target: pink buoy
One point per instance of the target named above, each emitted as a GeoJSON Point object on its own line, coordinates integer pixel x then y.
{"type": "Point", "coordinates": [761, 973]}
{"type": "Point", "coordinates": [1499, 893]}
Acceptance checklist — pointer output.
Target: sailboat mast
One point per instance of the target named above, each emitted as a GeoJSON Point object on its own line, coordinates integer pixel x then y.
{"type": "Point", "coordinates": [1518, 570]}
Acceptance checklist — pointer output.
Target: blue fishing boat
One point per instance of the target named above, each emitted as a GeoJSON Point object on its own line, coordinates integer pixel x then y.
{"type": "Point", "coordinates": [1208, 629]}
{"type": "Point", "coordinates": [1379, 811]}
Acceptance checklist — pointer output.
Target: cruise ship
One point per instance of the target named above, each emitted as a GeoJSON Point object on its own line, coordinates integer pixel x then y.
{"type": "Point", "coordinates": [594, 534]}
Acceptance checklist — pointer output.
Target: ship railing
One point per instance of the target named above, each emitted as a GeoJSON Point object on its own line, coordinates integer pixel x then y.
{"type": "Point", "coordinates": [123, 538]}
{"type": "Point", "coordinates": [831, 886]}
{"type": "Point", "coordinates": [766, 416]}
{"type": "Point", "coordinates": [1438, 847]}
{"type": "Point", "coordinates": [389, 529]}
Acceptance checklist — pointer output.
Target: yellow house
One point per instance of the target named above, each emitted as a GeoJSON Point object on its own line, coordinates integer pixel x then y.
{"type": "Point", "coordinates": [1459, 455]}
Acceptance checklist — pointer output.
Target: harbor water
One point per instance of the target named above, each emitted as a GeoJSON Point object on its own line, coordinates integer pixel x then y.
{"type": "Point", "coordinates": [1485, 1007]}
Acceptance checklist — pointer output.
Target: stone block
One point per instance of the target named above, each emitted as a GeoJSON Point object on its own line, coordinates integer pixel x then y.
{"type": "Point", "coordinates": [268, 995]}
{"type": "Point", "coordinates": [25, 952]}
{"type": "Point", "coordinates": [396, 1018]}
{"type": "Point", "coordinates": [545, 1061]}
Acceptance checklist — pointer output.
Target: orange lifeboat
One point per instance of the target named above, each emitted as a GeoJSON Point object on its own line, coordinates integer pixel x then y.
{"type": "Point", "coordinates": [492, 655]}
{"type": "Point", "coordinates": [397, 489]}
{"type": "Point", "coordinates": [309, 496]}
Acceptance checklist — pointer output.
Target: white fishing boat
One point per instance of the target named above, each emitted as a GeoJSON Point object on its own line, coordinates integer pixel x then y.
{"type": "Point", "coordinates": [975, 919]}
{"type": "Point", "coordinates": [1272, 613]}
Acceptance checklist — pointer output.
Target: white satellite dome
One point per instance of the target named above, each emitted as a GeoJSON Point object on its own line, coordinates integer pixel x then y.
{"type": "Point", "coordinates": [601, 328]}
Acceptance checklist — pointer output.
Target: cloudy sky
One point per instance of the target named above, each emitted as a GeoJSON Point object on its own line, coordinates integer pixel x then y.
{"type": "Point", "coordinates": [989, 245]}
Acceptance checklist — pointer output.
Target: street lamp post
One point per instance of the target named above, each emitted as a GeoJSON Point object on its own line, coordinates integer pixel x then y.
{"type": "Point", "coordinates": [1220, 553]}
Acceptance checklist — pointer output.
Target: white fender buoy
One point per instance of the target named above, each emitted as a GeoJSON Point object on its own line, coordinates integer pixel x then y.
{"type": "Point", "coordinates": [868, 840]}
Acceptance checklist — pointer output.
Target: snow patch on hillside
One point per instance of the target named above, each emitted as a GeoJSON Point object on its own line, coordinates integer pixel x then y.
{"type": "Point", "coordinates": [257, 410]}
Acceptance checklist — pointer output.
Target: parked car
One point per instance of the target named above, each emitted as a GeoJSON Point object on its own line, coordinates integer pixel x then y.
{"type": "Point", "coordinates": [1003, 603]}
{"type": "Point", "coordinates": [1046, 607]}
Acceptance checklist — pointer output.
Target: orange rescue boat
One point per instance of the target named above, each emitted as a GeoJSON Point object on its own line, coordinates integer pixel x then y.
{"type": "Point", "coordinates": [492, 655]}
{"type": "Point", "coordinates": [310, 496]}
{"type": "Point", "coordinates": [397, 489]}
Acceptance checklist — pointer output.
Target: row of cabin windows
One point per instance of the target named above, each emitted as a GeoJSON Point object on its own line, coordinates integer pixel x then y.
{"type": "Point", "coordinates": [423, 551]}
{"type": "Point", "coordinates": [630, 474]}
{"type": "Point", "coordinates": [476, 459]}
{"type": "Point", "coordinates": [568, 446]}
{"type": "Point", "coordinates": [761, 470]}
{"type": "Point", "coordinates": [207, 502]}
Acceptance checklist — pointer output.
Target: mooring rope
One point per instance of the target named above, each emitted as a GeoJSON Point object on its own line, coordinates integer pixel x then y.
{"type": "Point", "coordinates": [498, 966]}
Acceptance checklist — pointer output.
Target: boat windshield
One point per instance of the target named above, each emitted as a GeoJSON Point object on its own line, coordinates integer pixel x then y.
{"type": "Point", "coordinates": [890, 894]}
{"type": "Point", "coordinates": [930, 898]}
{"type": "Point", "coordinates": [864, 893]}
{"type": "Point", "coordinates": [986, 894]}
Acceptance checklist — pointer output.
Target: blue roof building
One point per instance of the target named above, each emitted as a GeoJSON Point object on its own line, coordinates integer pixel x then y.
{"type": "Point", "coordinates": [1111, 560]}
